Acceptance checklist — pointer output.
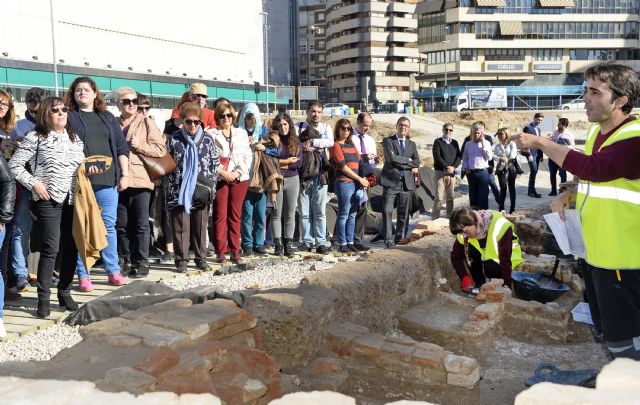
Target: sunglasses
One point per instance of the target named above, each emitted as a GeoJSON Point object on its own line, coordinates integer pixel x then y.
{"type": "Point", "coordinates": [143, 108]}
{"type": "Point", "coordinates": [202, 96]}
{"type": "Point", "coordinates": [192, 122]}
{"type": "Point", "coordinates": [227, 115]}
{"type": "Point", "coordinates": [55, 110]}
{"type": "Point", "coordinates": [345, 128]}
{"type": "Point", "coordinates": [449, 129]}
{"type": "Point", "coordinates": [5, 105]}
{"type": "Point", "coordinates": [128, 101]}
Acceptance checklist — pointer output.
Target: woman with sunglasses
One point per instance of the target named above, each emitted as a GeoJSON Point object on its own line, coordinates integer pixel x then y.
{"type": "Point", "coordinates": [290, 161]}
{"type": "Point", "coordinates": [486, 245]}
{"type": "Point", "coordinates": [346, 161]}
{"type": "Point", "coordinates": [144, 139]}
{"type": "Point", "coordinates": [101, 134]}
{"type": "Point", "coordinates": [55, 152]}
{"type": "Point", "coordinates": [233, 183]}
{"type": "Point", "coordinates": [196, 160]}
{"type": "Point", "coordinates": [144, 106]}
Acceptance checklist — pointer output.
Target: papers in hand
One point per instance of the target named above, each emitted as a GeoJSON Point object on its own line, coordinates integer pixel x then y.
{"type": "Point", "coordinates": [568, 233]}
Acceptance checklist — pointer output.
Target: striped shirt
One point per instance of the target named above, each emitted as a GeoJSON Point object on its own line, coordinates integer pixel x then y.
{"type": "Point", "coordinates": [344, 154]}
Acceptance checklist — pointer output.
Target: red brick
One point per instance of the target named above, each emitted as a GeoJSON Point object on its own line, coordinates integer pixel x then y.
{"type": "Point", "coordinates": [325, 366]}
{"type": "Point", "coordinates": [182, 385]}
{"type": "Point", "coordinates": [481, 297]}
{"type": "Point", "coordinates": [495, 296]}
{"type": "Point", "coordinates": [434, 360]}
{"type": "Point", "coordinates": [486, 287]}
{"type": "Point", "coordinates": [369, 344]}
{"type": "Point", "coordinates": [158, 362]}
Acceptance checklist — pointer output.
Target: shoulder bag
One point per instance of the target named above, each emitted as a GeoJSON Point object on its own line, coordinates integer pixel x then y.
{"type": "Point", "coordinates": [158, 167]}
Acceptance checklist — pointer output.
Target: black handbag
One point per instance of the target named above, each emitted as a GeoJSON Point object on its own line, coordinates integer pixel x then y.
{"type": "Point", "coordinates": [203, 193]}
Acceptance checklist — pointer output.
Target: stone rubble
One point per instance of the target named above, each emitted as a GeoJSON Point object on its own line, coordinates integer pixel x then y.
{"type": "Point", "coordinates": [40, 345]}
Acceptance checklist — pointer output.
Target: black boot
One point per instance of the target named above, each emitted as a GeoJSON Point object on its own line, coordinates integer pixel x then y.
{"type": "Point", "coordinates": [277, 246]}
{"type": "Point", "coordinates": [288, 251]}
{"type": "Point", "coordinates": [65, 301]}
{"type": "Point", "coordinates": [44, 309]}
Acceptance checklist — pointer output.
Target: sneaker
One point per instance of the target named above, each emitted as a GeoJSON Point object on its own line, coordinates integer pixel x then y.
{"type": "Point", "coordinates": [247, 251]}
{"type": "Point", "coordinates": [353, 248]}
{"type": "Point", "coordinates": [116, 279]}
{"type": "Point", "coordinates": [344, 249]}
{"type": "Point", "coordinates": [361, 247]}
{"type": "Point", "coordinates": [202, 265]}
{"type": "Point", "coordinates": [390, 245]}
{"type": "Point", "coordinates": [181, 267]}
{"type": "Point", "coordinates": [3, 331]}
{"type": "Point", "coordinates": [377, 238]}
{"type": "Point", "coordinates": [305, 248]}
{"type": "Point", "coordinates": [22, 283]}
{"type": "Point", "coordinates": [125, 269]}
{"type": "Point", "coordinates": [85, 285]}
{"type": "Point", "coordinates": [167, 257]}
{"type": "Point", "coordinates": [259, 250]}
{"type": "Point", "coordinates": [139, 271]}
{"type": "Point", "coordinates": [322, 249]}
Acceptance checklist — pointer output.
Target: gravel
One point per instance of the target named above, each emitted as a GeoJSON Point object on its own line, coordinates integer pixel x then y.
{"type": "Point", "coordinates": [259, 274]}
{"type": "Point", "coordinates": [40, 345]}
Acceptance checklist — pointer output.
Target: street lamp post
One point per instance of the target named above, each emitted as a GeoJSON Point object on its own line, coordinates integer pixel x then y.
{"type": "Point", "coordinates": [53, 45]}
{"type": "Point", "coordinates": [265, 27]}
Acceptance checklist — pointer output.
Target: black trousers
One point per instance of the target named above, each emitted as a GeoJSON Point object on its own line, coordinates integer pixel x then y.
{"type": "Point", "coordinates": [132, 225]}
{"type": "Point", "coordinates": [480, 270]}
{"type": "Point", "coordinates": [389, 196]}
{"type": "Point", "coordinates": [554, 169]}
{"type": "Point", "coordinates": [614, 302]}
{"type": "Point", "coordinates": [507, 180]}
{"type": "Point", "coordinates": [189, 230]}
{"type": "Point", "coordinates": [56, 223]}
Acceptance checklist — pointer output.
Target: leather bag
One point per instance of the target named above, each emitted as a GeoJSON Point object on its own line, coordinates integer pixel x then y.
{"type": "Point", "coordinates": [158, 167]}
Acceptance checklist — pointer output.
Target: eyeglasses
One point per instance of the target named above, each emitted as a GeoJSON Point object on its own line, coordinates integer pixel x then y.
{"type": "Point", "coordinates": [227, 115]}
{"type": "Point", "coordinates": [129, 101]}
{"type": "Point", "coordinates": [55, 110]}
{"type": "Point", "coordinates": [345, 128]}
{"type": "Point", "coordinates": [143, 108]}
{"type": "Point", "coordinates": [5, 105]}
{"type": "Point", "coordinates": [449, 129]}
{"type": "Point", "coordinates": [192, 122]}
{"type": "Point", "coordinates": [202, 96]}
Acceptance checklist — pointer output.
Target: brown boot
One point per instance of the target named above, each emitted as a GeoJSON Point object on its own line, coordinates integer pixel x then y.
{"type": "Point", "coordinates": [10, 295]}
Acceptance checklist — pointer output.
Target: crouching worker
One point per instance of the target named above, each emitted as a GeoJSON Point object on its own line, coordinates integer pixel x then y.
{"type": "Point", "coordinates": [486, 246]}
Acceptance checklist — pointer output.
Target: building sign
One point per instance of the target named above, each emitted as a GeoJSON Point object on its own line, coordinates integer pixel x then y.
{"type": "Point", "coordinates": [505, 66]}
{"type": "Point", "coordinates": [547, 66]}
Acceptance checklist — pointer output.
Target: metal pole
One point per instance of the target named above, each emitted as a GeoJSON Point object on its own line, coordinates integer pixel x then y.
{"type": "Point", "coordinates": [446, 67]}
{"type": "Point", "coordinates": [266, 40]}
{"type": "Point", "coordinates": [53, 45]}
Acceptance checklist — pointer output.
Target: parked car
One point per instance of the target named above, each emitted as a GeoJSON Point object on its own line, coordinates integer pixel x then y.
{"type": "Point", "coordinates": [335, 109]}
{"type": "Point", "coordinates": [577, 104]}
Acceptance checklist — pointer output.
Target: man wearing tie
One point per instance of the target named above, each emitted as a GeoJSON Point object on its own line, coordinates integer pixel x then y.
{"type": "Point", "coordinates": [401, 164]}
{"type": "Point", "coordinates": [366, 146]}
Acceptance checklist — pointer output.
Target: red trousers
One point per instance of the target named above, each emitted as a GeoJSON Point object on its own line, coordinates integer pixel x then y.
{"type": "Point", "coordinates": [227, 215]}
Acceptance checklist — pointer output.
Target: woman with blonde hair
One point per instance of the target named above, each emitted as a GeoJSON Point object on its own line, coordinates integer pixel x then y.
{"type": "Point", "coordinates": [144, 139]}
{"type": "Point", "coordinates": [7, 121]}
{"type": "Point", "coordinates": [233, 183]}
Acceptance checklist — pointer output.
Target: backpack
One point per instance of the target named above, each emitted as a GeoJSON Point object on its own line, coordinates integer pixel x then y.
{"type": "Point", "coordinates": [311, 165]}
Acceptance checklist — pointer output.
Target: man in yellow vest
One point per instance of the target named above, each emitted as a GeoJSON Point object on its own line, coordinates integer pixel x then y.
{"type": "Point", "coordinates": [608, 201]}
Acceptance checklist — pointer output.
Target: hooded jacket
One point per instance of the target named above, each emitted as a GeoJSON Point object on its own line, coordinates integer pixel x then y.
{"type": "Point", "coordinates": [7, 192]}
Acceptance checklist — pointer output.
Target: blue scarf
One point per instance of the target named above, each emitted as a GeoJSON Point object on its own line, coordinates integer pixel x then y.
{"type": "Point", "coordinates": [190, 169]}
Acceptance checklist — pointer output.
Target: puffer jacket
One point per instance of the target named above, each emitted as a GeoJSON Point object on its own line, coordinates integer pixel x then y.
{"type": "Point", "coordinates": [151, 144]}
{"type": "Point", "coordinates": [7, 192]}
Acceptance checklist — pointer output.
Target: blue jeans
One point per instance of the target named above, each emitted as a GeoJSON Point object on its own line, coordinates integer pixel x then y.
{"type": "Point", "coordinates": [3, 232]}
{"type": "Point", "coordinates": [478, 189]}
{"type": "Point", "coordinates": [313, 214]}
{"type": "Point", "coordinates": [347, 209]}
{"type": "Point", "coordinates": [22, 223]}
{"type": "Point", "coordinates": [107, 198]}
{"type": "Point", "coordinates": [254, 216]}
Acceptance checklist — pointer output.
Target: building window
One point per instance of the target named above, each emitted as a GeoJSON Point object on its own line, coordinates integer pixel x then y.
{"type": "Point", "coordinates": [321, 44]}
{"type": "Point", "coordinates": [468, 54]}
{"type": "Point", "coordinates": [303, 48]}
{"type": "Point", "coordinates": [504, 54]}
{"type": "Point", "coordinates": [546, 54]}
{"type": "Point", "coordinates": [604, 54]}
{"type": "Point", "coordinates": [320, 17]}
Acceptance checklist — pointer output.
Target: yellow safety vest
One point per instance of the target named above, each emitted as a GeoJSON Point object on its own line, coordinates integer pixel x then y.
{"type": "Point", "coordinates": [610, 210]}
{"type": "Point", "coordinates": [497, 227]}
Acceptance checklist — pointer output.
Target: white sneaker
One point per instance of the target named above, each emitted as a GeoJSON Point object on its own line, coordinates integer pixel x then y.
{"type": "Point", "coordinates": [3, 331]}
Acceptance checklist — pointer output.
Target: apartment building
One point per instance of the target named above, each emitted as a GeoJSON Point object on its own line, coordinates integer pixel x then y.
{"type": "Point", "coordinates": [523, 42]}
{"type": "Point", "coordinates": [372, 50]}
{"type": "Point", "coordinates": [312, 46]}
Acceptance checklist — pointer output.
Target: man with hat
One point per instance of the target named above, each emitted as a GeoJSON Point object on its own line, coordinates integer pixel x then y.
{"type": "Point", "coordinates": [200, 91]}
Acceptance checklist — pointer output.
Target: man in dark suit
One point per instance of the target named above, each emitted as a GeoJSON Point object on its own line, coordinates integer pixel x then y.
{"type": "Point", "coordinates": [397, 178]}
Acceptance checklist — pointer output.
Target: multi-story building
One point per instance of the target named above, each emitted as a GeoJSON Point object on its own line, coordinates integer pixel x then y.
{"type": "Point", "coordinates": [372, 50]}
{"type": "Point", "coordinates": [525, 43]}
{"type": "Point", "coordinates": [312, 46]}
{"type": "Point", "coordinates": [280, 44]}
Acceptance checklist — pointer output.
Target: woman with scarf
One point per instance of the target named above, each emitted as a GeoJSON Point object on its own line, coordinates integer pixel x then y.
{"type": "Point", "coordinates": [197, 164]}
{"type": "Point", "coordinates": [486, 246]}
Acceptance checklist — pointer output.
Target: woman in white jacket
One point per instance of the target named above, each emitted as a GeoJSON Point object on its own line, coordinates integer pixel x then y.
{"type": "Point", "coordinates": [233, 183]}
